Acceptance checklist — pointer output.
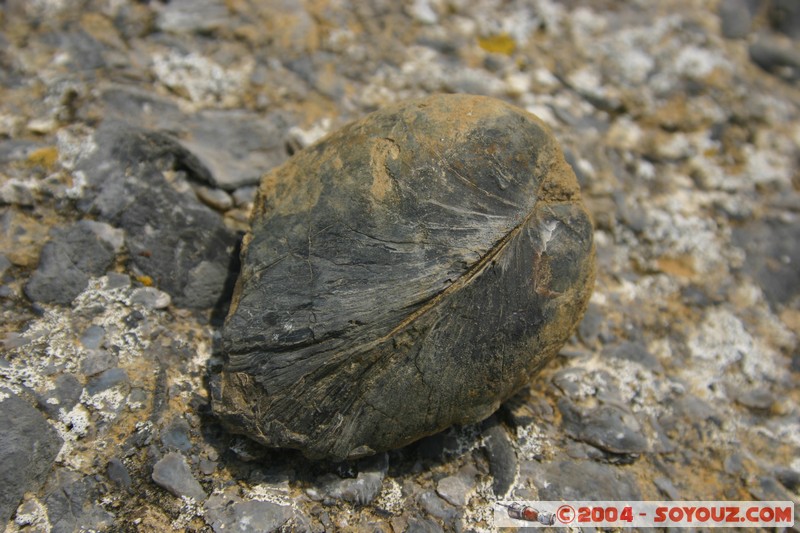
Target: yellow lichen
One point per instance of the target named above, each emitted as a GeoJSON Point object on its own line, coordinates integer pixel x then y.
{"type": "Point", "coordinates": [501, 43]}
{"type": "Point", "coordinates": [44, 157]}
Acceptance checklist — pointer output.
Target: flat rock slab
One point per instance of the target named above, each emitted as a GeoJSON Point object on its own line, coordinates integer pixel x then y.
{"type": "Point", "coordinates": [404, 274]}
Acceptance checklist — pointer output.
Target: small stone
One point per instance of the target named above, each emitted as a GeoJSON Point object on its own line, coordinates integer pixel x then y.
{"type": "Point", "coordinates": [106, 380]}
{"type": "Point", "coordinates": [502, 457]}
{"type": "Point", "coordinates": [423, 525]}
{"type": "Point", "coordinates": [580, 480]}
{"type": "Point", "coordinates": [92, 337]}
{"type": "Point", "coordinates": [363, 488]}
{"type": "Point", "coordinates": [785, 17]}
{"type": "Point", "coordinates": [214, 198]}
{"type": "Point", "coordinates": [173, 473]}
{"type": "Point", "coordinates": [667, 488]}
{"type": "Point", "coordinates": [776, 57]}
{"type": "Point", "coordinates": [454, 489]}
{"type": "Point", "coordinates": [756, 399]}
{"type": "Point", "coordinates": [28, 447]}
{"type": "Point", "coordinates": [150, 298]}
{"type": "Point", "coordinates": [118, 473]}
{"type": "Point", "coordinates": [194, 16]}
{"type": "Point", "coordinates": [244, 196]}
{"type": "Point", "coordinates": [72, 504]}
{"type": "Point", "coordinates": [228, 513]}
{"type": "Point", "coordinates": [633, 351]}
{"type": "Point", "coordinates": [97, 361]}
{"type": "Point", "coordinates": [606, 427]}
{"type": "Point", "coordinates": [436, 506]}
{"type": "Point", "coordinates": [177, 435]}
{"type": "Point", "coordinates": [735, 18]}
{"type": "Point", "coordinates": [72, 256]}
{"type": "Point", "coordinates": [64, 396]}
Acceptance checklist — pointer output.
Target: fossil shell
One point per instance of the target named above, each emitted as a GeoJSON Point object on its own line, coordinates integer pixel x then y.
{"type": "Point", "coordinates": [408, 272]}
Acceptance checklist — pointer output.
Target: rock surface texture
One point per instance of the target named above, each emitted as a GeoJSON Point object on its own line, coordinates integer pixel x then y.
{"type": "Point", "coordinates": [409, 272]}
{"type": "Point", "coordinates": [133, 137]}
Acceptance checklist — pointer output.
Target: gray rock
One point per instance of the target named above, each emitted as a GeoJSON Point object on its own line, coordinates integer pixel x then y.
{"type": "Point", "coordinates": [633, 351]}
{"type": "Point", "coordinates": [785, 17]}
{"type": "Point", "coordinates": [117, 472]}
{"type": "Point", "coordinates": [214, 198]}
{"type": "Point", "coordinates": [502, 457]}
{"type": "Point", "coordinates": [756, 399]}
{"type": "Point", "coordinates": [777, 58]}
{"type": "Point", "coordinates": [435, 506]}
{"type": "Point", "coordinates": [227, 513]}
{"type": "Point", "coordinates": [177, 435]}
{"type": "Point", "coordinates": [735, 18]}
{"type": "Point", "coordinates": [97, 361]}
{"type": "Point", "coordinates": [244, 195]}
{"type": "Point", "coordinates": [106, 380]}
{"type": "Point", "coordinates": [314, 364]}
{"type": "Point", "coordinates": [72, 504]}
{"type": "Point", "coordinates": [192, 16]}
{"type": "Point", "coordinates": [72, 256]}
{"type": "Point", "coordinates": [580, 480]}
{"type": "Point", "coordinates": [423, 525]}
{"type": "Point", "coordinates": [236, 146]}
{"type": "Point", "coordinates": [93, 337]}
{"type": "Point", "coordinates": [172, 237]}
{"type": "Point", "coordinates": [64, 395]}
{"type": "Point", "coordinates": [455, 489]}
{"type": "Point", "coordinates": [772, 255]}
{"type": "Point", "coordinates": [607, 427]}
{"type": "Point", "coordinates": [360, 490]}
{"type": "Point", "coordinates": [173, 473]}
{"type": "Point", "coordinates": [28, 447]}
{"type": "Point", "coordinates": [150, 298]}
{"type": "Point", "coordinates": [5, 264]}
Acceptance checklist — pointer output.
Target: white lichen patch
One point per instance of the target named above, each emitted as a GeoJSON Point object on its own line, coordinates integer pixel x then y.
{"type": "Point", "coordinates": [200, 79]}
{"type": "Point", "coordinates": [390, 497]}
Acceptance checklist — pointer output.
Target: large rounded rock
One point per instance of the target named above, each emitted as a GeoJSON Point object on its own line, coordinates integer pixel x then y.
{"type": "Point", "coordinates": [408, 272]}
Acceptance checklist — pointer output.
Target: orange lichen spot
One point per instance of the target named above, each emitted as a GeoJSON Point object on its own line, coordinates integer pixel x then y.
{"type": "Point", "coordinates": [147, 281]}
{"type": "Point", "coordinates": [681, 266]}
{"type": "Point", "coordinates": [44, 157]}
{"type": "Point", "coordinates": [501, 43]}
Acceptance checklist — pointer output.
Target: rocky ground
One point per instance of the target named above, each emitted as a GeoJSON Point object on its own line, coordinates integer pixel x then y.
{"type": "Point", "coordinates": [132, 134]}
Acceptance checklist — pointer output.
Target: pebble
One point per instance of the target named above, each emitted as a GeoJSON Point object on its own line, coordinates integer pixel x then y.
{"type": "Point", "coordinates": [633, 351]}
{"type": "Point", "coordinates": [63, 396]}
{"type": "Point", "coordinates": [776, 57]}
{"type": "Point", "coordinates": [607, 427]}
{"type": "Point", "coordinates": [454, 489]}
{"type": "Point", "coordinates": [580, 480]}
{"type": "Point", "coordinates": [117, 472]}
{"type": "Point", "coordinates": [28, 448]}
{"type": "Point", "coordinates": [437, 507]}
{"type": "Point", "coordinates": [361, 490]}
{"type": "Point", "coordinates": [227, 512]}
{"type": "Point", "coordinates": [502, 458]}
{"type": "Point", "coordinates": [214, 198]}
{"type": "Point", "coordinates": [735, 18]}
{"type": "Point", "coordinates": [92, 337]}
{"type": "Point", "coordinates": [423, 525]}
{"type": "Point", "coordinates": [72, 256]}
{"type": "Point", "coordinates": [72, 504]}
{"type": "Point", "coordinates": [97, 361]}
{"type": "Point", "coordinates": [173, 473]}
{"type": "Point", "coordinates": [177, 435]}
{"type": "Point", "coordinates": [150, 298]}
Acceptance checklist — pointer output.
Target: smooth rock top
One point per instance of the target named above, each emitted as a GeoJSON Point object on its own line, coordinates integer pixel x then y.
{"type": "Point", "coordinates": [406, 273]}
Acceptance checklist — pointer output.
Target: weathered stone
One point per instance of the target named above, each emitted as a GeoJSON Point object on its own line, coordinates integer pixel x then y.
{"type": "Point", "coordinates": [173, 473]}
{"type": "Point", "coordinates": [73, 255]}
{"type": "Point", "coordinates": [407, 273]}
{"type": "Point", "coordinates": [28, 447]}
